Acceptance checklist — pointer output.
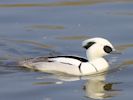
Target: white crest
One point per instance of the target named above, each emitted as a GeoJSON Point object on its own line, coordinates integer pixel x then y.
{"type": "Point", "coordinates": [97, 47]}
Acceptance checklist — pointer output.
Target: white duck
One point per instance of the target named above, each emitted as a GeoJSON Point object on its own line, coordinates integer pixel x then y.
{"type": "Point", "coordinates": [96, 48]}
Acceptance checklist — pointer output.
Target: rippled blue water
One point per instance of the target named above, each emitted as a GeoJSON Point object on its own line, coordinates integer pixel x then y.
{"type": "Point", "coordinates": [31, 28]}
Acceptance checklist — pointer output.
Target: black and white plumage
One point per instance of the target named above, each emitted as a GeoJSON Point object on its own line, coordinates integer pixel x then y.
{"type": "Point", "coordinates": [96, 48]}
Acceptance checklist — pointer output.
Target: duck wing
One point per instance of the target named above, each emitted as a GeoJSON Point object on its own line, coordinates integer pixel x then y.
{"type": "Point", "coordinates": [71, 60]}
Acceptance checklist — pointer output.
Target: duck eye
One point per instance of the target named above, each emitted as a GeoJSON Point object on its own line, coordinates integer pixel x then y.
{"type": "Point", "coordinates": [89, 44]}
{"type": "Point", "coordinates": [107, 49]}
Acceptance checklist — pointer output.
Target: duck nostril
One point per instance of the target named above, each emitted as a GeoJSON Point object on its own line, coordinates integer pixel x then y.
{"type": "Point", "coordinates": [107, 49]}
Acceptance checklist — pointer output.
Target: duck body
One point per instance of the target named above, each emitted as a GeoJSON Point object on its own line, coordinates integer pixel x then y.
{"type": "Point", "coordinates": [96, 49]}
{"type": "Point", "coordinates": [72, 65]}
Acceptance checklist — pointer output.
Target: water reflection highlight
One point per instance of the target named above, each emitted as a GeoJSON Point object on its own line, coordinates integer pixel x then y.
{"type": "Point", "coordinates": [100, 89]}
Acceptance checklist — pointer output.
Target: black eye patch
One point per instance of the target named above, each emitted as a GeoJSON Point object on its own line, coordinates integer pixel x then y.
{"type": "Point", "coordinates": [107, 49]}
{"type": "Point", "coordinates": [89, 44]}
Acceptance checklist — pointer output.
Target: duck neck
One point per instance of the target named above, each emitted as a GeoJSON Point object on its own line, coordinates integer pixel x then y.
{"type": "Point", "coordinates": [92, 57]}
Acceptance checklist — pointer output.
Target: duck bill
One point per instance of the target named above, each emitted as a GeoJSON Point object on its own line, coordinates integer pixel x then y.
{"type": "Point", "coordinates": [116, 52]}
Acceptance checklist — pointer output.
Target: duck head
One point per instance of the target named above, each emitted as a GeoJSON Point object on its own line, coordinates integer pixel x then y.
{"type": "Point", "coordinates": [97, 48]}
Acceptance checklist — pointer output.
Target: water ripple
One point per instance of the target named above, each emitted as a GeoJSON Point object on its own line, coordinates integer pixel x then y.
{"type": "Point", "coordinates": [58, 4]}
{"type": "Point", "coordinates": [124, 46]}
{"type": "Point", "coordinates": [80, 37]}
{"type": "Point", "coordinates": [50, 27]}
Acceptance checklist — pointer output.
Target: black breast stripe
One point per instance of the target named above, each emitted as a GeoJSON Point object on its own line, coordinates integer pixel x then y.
{"type": "Point", "coordinates": [80, 67]}
{"type": "Point", "coordinates": [94, 67]}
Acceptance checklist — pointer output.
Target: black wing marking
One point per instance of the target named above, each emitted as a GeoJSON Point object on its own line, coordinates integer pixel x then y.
{"type": "Point", "coordinates": [74, 57]}
{"type": "Point", "coordinates": [47, 59]}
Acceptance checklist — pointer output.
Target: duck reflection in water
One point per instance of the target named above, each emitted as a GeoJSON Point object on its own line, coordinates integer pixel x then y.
{"type": "Point", "coordinates": [98, 88]}
{"type": "Point", "coordinates": [95, 87]}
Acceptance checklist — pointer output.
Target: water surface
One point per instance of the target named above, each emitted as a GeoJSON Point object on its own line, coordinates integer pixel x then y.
{"type": "Point", "coordinates": [30, 28]}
